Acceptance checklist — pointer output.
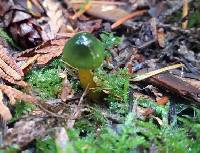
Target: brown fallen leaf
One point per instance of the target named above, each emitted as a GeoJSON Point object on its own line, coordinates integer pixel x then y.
{"type": "Point", "coordinates": [25, 131]}
{"type": "Point", "coordinates": [14, 94]}
{"type": "Point", "coordinates": [9, 60]}
{"type": "Point", "coordinates": [55, 15]}
{"type": "Point", "coordinates": [67, 91]}
{"type": "Point", "coordinates": [11, 80]}
{"type": "Point", "coordinates": [4, 111]}
{"type": "Point", "coordinates": [162, 101]}
{"type": "Point", "coordinates": [9, 70]}
{"type": "Point", "coordinates": [44, 52]}
{"type": "Point", "coordinates": [45, 58]}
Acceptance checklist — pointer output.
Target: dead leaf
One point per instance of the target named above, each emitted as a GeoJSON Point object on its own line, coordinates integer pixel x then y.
{"type": "Point", "coordinates": [56, 17]}
{"type": "Point", "coordinates": [44, 53]}
{"type": "Point", "coordinates": [67, 91]}
{"type": "Point", "coordinates": [161, 37]}
{"type": "Point", "coordinates": [162, 100]}
{"type": "Point", "coordinates": [14, 94]}
{"type": "Point", "coordinates": [9, 70]}
{"type": "Point", "coordinates": [4, 111]}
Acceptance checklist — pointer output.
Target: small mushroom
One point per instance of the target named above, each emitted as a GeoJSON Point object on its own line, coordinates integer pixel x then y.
{"type": "Point", "coordinates": [86, 53]}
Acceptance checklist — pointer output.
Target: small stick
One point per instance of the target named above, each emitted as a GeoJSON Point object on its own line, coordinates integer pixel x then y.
{"type": "Point", "coordinates": [98, 2]}
{"type": "Point", "coordinates": [76, 112]}
{"type": "Point", "coordinates": [81, 11]}
{"type": "Point", "coordinates": [30, 61]}
{"type": "Point", "coordinates": [127, 17]}
{"type": "Point", "coordinates": [155, 72]}
{"type": "Point", "coordinates": [185, 13]}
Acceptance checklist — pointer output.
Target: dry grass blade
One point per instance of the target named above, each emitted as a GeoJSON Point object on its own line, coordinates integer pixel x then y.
{"type": "Point", "coordinates": [4, 111]}
{"type": "Point", "coordinates": [77, 111]}
{"type": "Point", "coordinates": [185, 13]}
{"type": "Point", "coordinates": [30, 61]}
{"type": "Point", "coordinates": [155, 72]}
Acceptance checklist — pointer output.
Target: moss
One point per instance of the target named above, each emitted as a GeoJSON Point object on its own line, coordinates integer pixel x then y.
{"type": "Point", "coordinates": [193, 17]}
{"type": "Point", "coordinates": [91, 120]}
{"type": "Point", "coordinates": [21, 108]}
{"type": "Point", "coordinates": [46, 145]}
{"type": "Point", "coordinates": [46, 81]}
{"type": "Point", "coordinates": [7, 38]}
{"type": "Point", "coordinates": [116, 85]}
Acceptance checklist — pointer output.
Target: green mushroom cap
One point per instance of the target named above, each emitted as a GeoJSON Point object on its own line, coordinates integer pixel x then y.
{"type": "Point", "coordinates": [84, 51]}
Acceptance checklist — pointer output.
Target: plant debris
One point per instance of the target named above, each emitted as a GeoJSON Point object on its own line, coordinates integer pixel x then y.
{"type": "Point", "coordinates": [146, 92]}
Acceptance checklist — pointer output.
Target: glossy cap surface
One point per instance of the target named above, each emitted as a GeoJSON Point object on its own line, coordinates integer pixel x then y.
{"type": "Point", "coordinates": [84, 51]}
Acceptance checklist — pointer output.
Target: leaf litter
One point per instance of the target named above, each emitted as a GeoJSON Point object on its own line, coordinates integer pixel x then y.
{"type": "Point", "coordinates": [147, 47]}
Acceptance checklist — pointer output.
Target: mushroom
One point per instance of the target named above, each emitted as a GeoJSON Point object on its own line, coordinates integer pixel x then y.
{"type": "Point", "coordinates": [86, 53]}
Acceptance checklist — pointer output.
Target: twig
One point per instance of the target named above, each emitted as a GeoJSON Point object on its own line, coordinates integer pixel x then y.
{"type": "Point", "coordinates": [98, 2]}
{"type": "Point", "coordinates": [30, 61]}
{"type": "Point", "coordinates": [76, 112]}
{"type": "Point", "coordinates": [127, 17]}
{"type": "Point", "coordinates": [51, 113]}
{"type": "Point", "coordinates": [185, 13]}
{"type": "Point", "coordinates": [81, 11]}
{"type": "Point", "coordinates": [155, 72]}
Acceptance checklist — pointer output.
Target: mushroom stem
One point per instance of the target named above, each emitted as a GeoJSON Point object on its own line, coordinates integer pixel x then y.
{"type": "Point", "coordinates": [86, 78]}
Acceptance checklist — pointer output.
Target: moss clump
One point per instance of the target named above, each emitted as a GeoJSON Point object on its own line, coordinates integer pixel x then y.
{"type": "Point", "coordinates": [116, 86]}
{"type": "Point", "coordinates": [21, 108]}
{"type": "Point", "coordinates": [46, 82]}
{"type": "Point", "coordinates": [91, 120]}
{"type": "Point", "coordinates": [46, 145]}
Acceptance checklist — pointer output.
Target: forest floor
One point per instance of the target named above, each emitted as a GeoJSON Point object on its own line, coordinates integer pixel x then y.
{"type": "Point", "coordinates": [147, 89]}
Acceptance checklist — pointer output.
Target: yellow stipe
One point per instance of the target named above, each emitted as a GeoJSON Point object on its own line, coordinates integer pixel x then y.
{"type": "Point", "coordinates": [86, 79]}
